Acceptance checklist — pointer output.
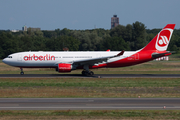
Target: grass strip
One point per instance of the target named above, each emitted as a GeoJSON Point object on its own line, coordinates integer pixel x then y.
{"type": "Point", "coordinates": [84, 87]}
{"type": "Point", "coordinates": [93, 82]}
{"type": "Point", "coordinates": [87, 92]}
{"type": "Point", "coordinates": [133, 114]}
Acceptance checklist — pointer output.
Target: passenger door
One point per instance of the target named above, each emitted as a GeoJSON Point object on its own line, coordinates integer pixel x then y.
{"type": "Point", "coordinates": [19, 57]}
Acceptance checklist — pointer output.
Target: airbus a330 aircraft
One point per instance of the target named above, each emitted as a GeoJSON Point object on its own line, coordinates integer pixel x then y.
{"type": "Point", "coordinates": [66, 61]}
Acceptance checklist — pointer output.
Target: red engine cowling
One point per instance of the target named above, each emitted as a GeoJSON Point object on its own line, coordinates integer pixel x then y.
{"type": "Point", "coordinates": [62, 67]}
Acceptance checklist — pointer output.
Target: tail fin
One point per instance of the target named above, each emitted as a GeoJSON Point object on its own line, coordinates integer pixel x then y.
{"type": "Point", "coordinates": [161, 40]}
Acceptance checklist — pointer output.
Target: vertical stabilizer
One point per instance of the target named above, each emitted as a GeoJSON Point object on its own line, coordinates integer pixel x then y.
{"type": "Point", "coordinates": [161, 41]}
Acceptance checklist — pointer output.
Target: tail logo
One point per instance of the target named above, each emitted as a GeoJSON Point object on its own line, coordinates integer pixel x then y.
{"type": "Point", "coordinates": [163, 39]}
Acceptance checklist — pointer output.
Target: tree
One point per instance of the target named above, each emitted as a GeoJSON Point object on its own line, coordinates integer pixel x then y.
{"type": "Point", "coordinates": [57, 44]}
{"type": "Point", "coordinates": [115, 44]}
{"type": "Point", "coordinates": [139, 35]}
{"type": "Point", "coordinates": [118, 31]}
{"type": "Point", "coordinates": [8, 44]}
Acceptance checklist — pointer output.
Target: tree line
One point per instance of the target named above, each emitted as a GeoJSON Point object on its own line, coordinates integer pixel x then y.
{"type": "Point", "coordinates": [130, 37]}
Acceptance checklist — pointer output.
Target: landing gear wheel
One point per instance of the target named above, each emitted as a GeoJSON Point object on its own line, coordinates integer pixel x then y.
{"type": "Point", "coordinates": [86, 73]}
{"type": "Point", "coordinates": [22, 73]}
{"type": "Point", "coordinates": [91, 73]}
{"type": "Point", "coordinates": [83, 72]}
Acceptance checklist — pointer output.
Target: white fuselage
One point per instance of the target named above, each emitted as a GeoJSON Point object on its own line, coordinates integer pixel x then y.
{"type": "Point", "coordinates": [51, 59]}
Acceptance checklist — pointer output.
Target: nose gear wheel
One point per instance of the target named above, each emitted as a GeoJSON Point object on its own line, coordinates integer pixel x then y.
{"type": "Point", "coordinates": [22, 73]}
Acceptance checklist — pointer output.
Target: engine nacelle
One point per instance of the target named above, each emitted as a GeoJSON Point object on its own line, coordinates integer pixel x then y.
{"type": "Point", "coordinates": [63, 67]}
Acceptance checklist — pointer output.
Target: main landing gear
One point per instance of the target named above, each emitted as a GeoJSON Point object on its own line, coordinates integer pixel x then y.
{"type": "Point", "coordinates": [86, 71]}
{"type": "Point", "coordinates": [22, 73]}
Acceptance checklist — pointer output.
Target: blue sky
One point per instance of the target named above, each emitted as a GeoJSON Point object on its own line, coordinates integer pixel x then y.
{"type": "Point", "coordinates": [86, 14]}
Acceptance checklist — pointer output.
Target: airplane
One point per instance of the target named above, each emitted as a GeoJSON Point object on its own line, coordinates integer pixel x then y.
{"type": "Point", "coordinates": [66, 61]}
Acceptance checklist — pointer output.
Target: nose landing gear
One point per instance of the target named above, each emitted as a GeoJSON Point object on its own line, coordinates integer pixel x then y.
{"type": "Point", "coordinates": [22, 73]}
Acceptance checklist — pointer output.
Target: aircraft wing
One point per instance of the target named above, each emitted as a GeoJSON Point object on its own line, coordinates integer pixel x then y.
{"type": "Point", "coordinates": [157, 55]}
{"type": "Point", "coordinates": [96, 60]}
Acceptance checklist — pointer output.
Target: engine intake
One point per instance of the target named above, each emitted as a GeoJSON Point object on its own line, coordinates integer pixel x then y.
{"type": "Point", "coordinates": [62, 67]}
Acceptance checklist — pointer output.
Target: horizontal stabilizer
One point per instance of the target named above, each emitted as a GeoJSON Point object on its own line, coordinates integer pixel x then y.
{"type": "Point", "coordinates": [157, 55]}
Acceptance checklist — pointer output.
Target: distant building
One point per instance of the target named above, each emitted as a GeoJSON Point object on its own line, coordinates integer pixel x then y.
{"type": "Point", "coordinates": [114, 21]}
{"type": "Point", "coordinates": [34, 29]}
{"type": "Point", "coordinates": [24, 28]}
{"type": "Point", "coordinates": [14, 30]}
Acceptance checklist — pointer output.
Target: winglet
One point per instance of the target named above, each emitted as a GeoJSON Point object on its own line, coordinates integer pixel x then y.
{"type": "Point", "coordinates": [121, 53]}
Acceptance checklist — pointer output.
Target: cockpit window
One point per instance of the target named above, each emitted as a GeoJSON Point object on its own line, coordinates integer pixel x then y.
{"type": "Point", "coordinates": [9, 57]}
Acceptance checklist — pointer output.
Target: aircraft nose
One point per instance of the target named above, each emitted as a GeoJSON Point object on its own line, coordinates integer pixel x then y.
{"type": "Point", "coordinates": [4, 60]}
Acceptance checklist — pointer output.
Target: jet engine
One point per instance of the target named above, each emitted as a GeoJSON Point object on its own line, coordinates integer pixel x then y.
{"type": "Point", "coordinates": [63, 67]}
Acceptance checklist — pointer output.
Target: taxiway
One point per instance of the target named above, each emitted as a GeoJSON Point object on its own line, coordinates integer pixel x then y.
{"type": "Point", "coordinates": [89, 103]}
{"type": "Point", "coordinates": [94, 76]}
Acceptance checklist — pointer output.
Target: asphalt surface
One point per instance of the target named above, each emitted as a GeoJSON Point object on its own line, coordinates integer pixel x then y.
{"type": "Point", "coordinates": [94, 76]}
{"type": "Point", "coordinates": [89, 103]}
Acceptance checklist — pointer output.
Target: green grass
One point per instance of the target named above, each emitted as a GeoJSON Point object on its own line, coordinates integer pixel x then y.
{"type": "Point", "coordinates": [174, 57]}
{"type": "Point", "coordinates": [89, 87]}
{"type": "Point", "coordinates": [87, 82]}
{"type": "Point", "coordinates": [93, 114]}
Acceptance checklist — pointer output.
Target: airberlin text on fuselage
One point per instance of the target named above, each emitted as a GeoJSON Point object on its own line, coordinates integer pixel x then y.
{"type": "Point", "coordinates": [41, 57]}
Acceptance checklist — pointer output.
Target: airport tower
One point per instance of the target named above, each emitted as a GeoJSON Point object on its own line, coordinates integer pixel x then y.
{"type": "Point", "coordinates": [114, 21]}
{"type": "Point", "coordinates": [24, 28]}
